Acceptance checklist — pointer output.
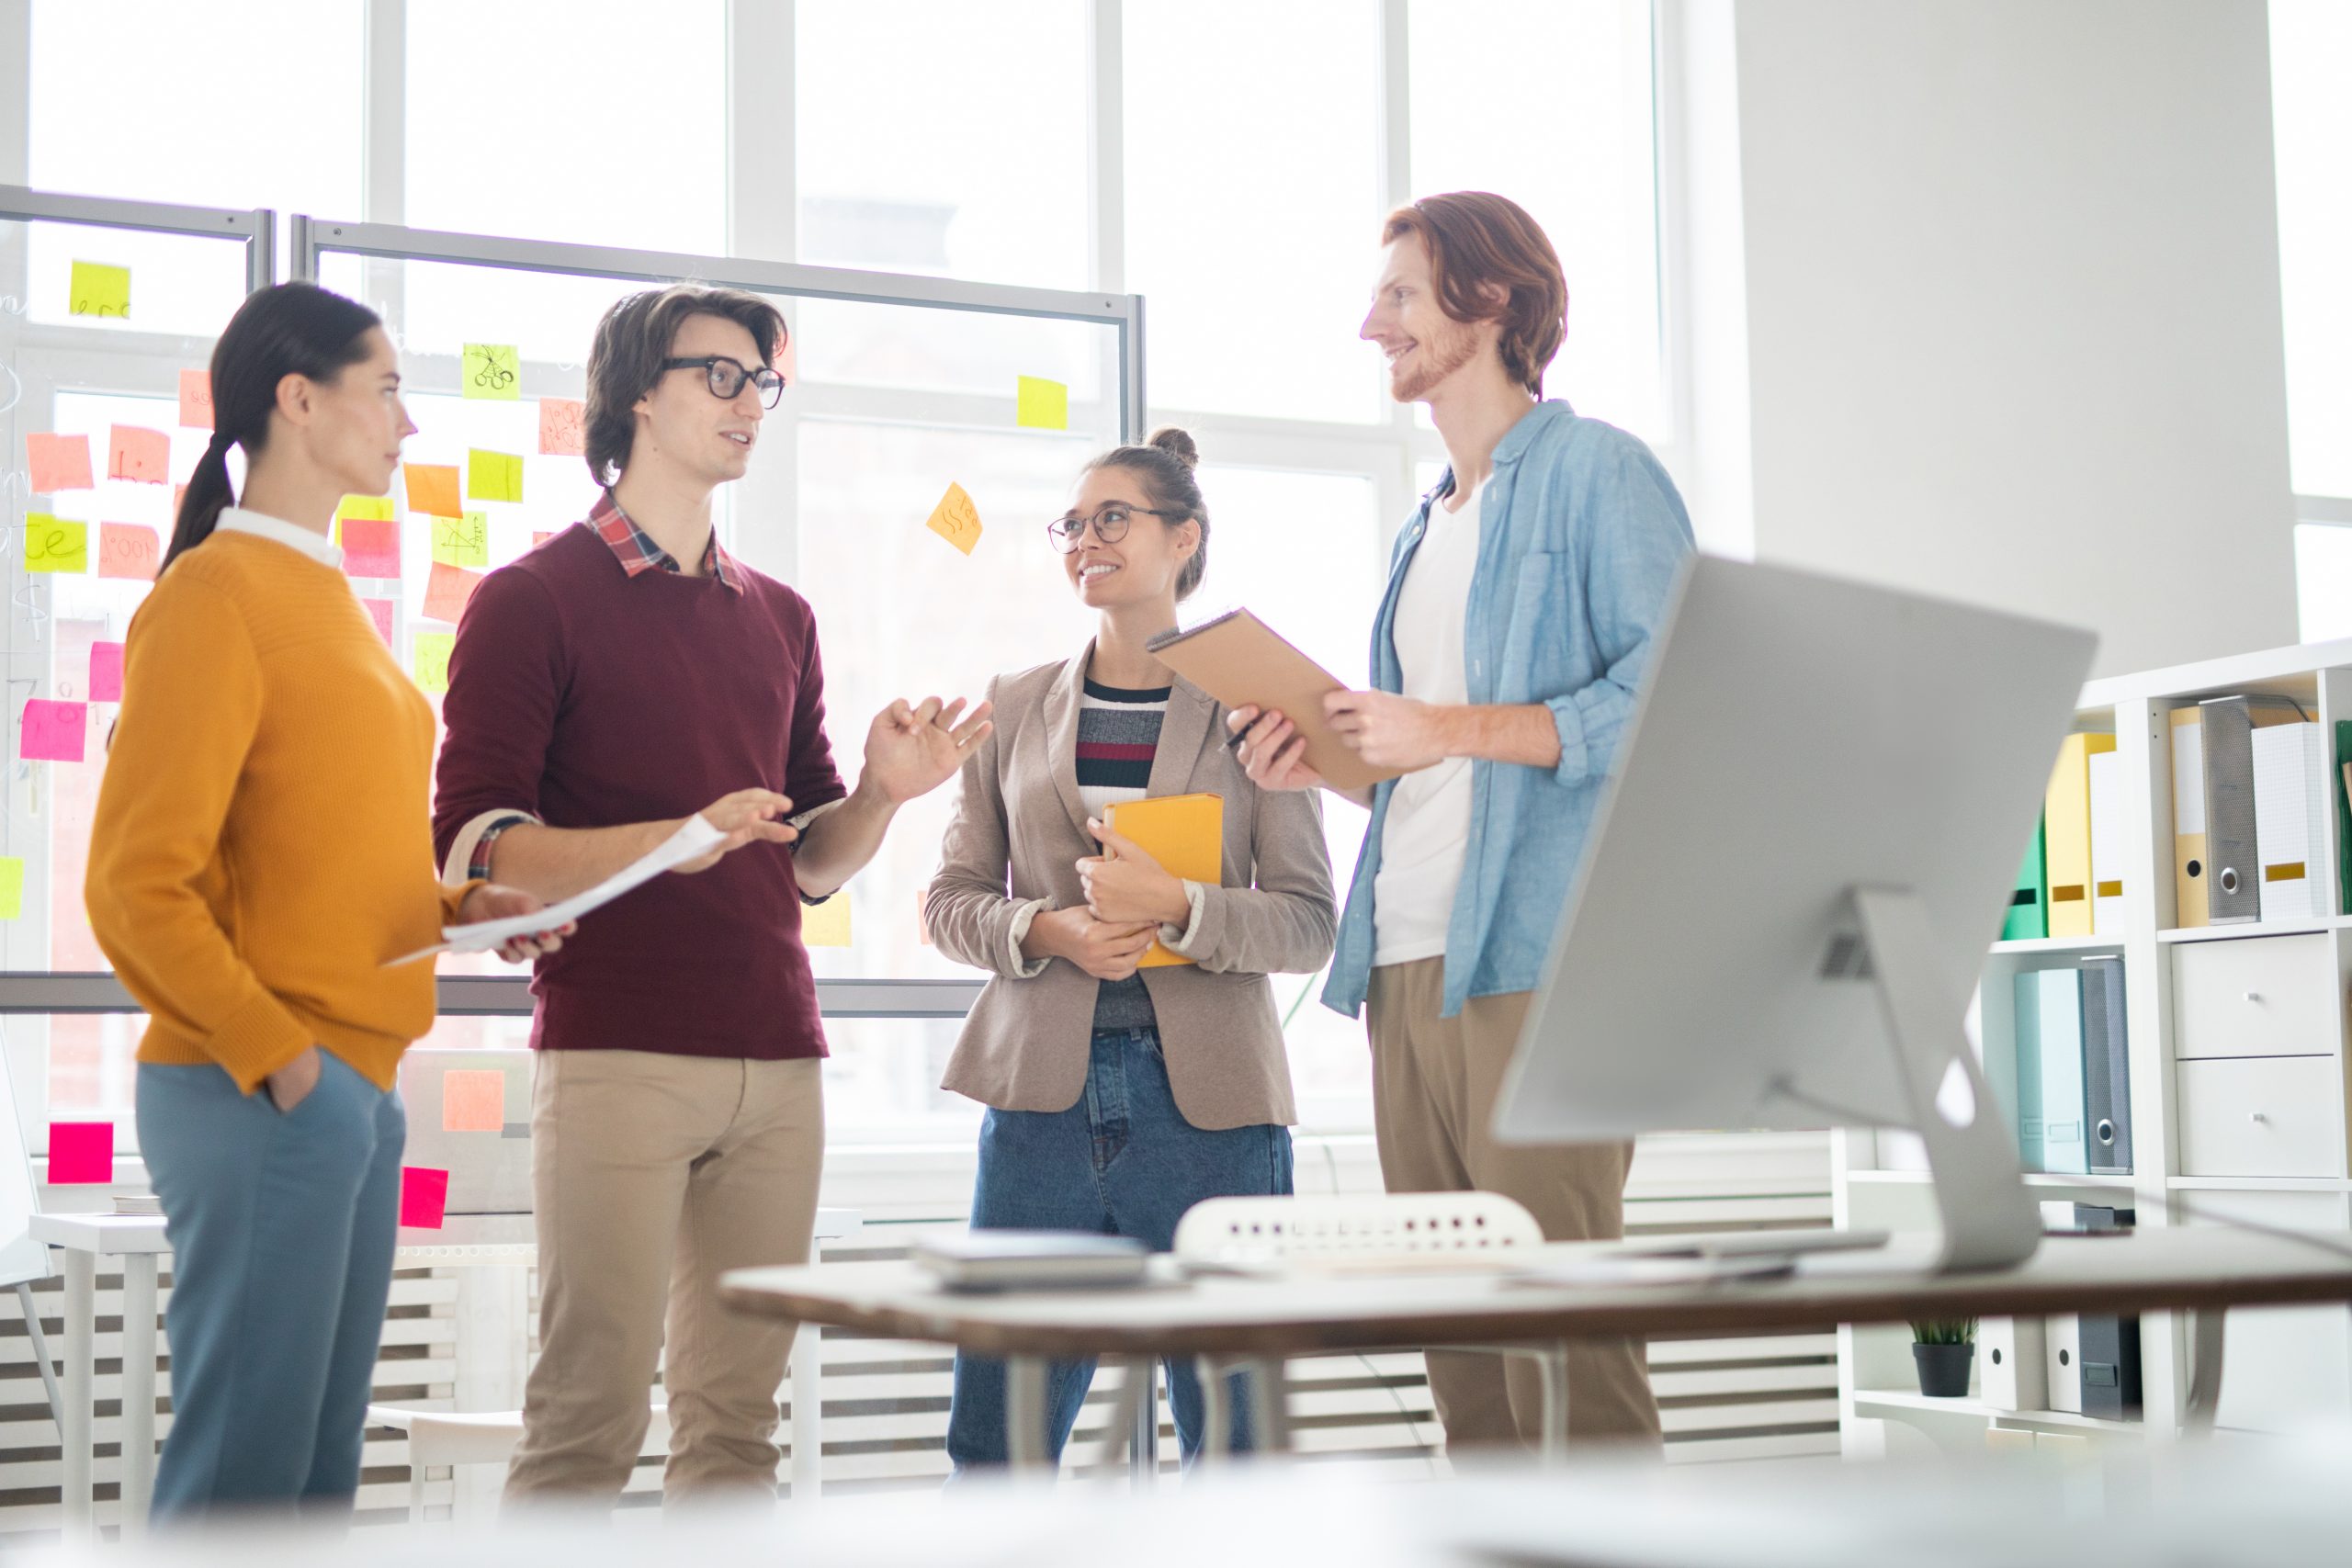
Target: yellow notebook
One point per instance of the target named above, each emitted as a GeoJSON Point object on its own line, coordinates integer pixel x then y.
{"type": "Point", "coordinates": [1185, 833]}
{"type": "Point", "coordinates": [2066, 858]}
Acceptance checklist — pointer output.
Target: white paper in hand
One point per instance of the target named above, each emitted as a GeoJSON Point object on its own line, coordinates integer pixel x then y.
{"type": "Point", "coordinates": [694, 837]}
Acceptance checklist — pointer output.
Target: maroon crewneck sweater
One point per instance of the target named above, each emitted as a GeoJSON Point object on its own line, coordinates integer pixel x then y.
{"type": "Point", "coordinates": [591, 698]}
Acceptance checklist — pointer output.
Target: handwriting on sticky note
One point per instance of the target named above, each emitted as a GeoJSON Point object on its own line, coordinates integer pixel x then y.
{"type": "Point", "coordinates": [955, 519]}
{"type": "Point", "coordinates": [446, 591]}
{"type": "Point", "coordinates": [57, 462]}
{"type": "Point", "coordinates": [473, 1100]}
{"type": "Point", "coordinates": [195, 400]}
{"type": "Point", "coordinates": [1040, 404]}
{"type": "Point", "coordinates": [491, 370]}
{"type": "Point", "coordinates": [54, 732]}
{"type": "Point", "coordinates": [106, 672]}
{"type": "Point", "coordinates": [826, 924]}
{"type": "Point", "coordinates": [380, 612]}
{"type": "Point", "coordinates": [461, 541]}
{"type": "Point", "coordinates": [12, 888]}
{"type": "Point", "coordinates": [140, 456]}
{"type": "Point", "coordinates": [99, 289]}
{"type": "Point", "coordinates": [127, 549]}
{"type": "Point", "coordinates": [494, 475]}
{"type": "Point", "coordinates": [371, 508]}
{"type": "Point", "coordinates": [433, 650]}
{"type": "Point", "coordinates": [563, 427]}
{"type": "Point", "coordinates": [52, 544]}
{"type": "Point", "coordinates": [431, 489]}
{"type": "Point", "coordinates": [424, 1196]}
{"type": "Point", "coordinates": [81, 1153]}
{"type": "Point", "coordinates": [371, 547]}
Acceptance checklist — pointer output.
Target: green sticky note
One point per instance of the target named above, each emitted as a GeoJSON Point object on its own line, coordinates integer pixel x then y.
{"type": "Point", "coordinates": [100, 290]}
{"type": "Point", "coordinates": [11, 886]}
{"type": "Point", "coordinates": [494, 475]}
{"type": "Point", "coordinates": [491, 370]}
{"type": "Point", "coordinates": [433, 649]}
{"type": "Point", "coordinates": [51, 544]}
{"type": "Point", "coordinates": [462, 541]}
{"type": "Point", "coordinates": [1042, 404]}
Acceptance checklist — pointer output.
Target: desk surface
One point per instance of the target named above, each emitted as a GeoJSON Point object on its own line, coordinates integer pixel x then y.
{"type": "Point", "coordinates": [2151, 1271]}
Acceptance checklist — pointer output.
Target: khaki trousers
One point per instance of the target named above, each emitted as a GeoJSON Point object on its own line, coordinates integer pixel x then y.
{"type": "Point", "coordinates": [654, 1175]}
{"type": "Point", "coordinates": [1434, 1083]}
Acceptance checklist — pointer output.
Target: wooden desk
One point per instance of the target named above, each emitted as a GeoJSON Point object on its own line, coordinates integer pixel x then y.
{"type": "Point", "coordinates": [2202, 1270]}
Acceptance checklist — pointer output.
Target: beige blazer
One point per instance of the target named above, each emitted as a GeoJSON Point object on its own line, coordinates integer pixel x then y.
{"type": "Point", "coordinates": [1017, 834]}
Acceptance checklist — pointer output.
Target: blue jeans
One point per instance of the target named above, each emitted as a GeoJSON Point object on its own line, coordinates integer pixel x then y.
{"type": "Point", "coordinates": [1123, 1161]}
{"type": "Point", "coordinates": [282, 1225]}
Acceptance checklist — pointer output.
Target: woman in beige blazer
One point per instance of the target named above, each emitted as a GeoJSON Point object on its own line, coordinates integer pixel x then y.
{"type": "Point", "coordinates": [1119, 1097]}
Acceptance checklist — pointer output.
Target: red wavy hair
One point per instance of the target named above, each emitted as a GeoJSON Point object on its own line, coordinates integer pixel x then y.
{"type": "Point", "coordinates": [1481, 245]}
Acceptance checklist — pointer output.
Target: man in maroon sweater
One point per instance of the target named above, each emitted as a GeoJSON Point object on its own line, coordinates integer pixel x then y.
{"type": "Point", "coordinates": [603, 688]}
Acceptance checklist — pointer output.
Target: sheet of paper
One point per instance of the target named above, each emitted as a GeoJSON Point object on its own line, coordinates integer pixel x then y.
{"type": "Point", "coordinates": [1041, 404]}
{"type": "Point", "coordinates": [494, 475]}
{"type": "Point", "coordinates": [52, 544]}
{"type": "Point", "coordinates": [424, 1196]}
{"type": "Point", "coordinates": [371, 508]}
{"type": "Point", "coordinates": [81, 1153]}
{"type": "Point", "coordinates": [57, 462]}
{"type": "Point", "coordinates": [141, 455]}
{"type": "Point", "coordinates": [694, 837]}
{"type": "Point", "coordinates": [431, 489]}
{"type": "Point", "coordinates": [12, 888]}
{"type": "Point", "coordinates": [99, 289]}
{"type": "Point", "coordinates": [461, 541]}
{"type": "Point", "coordinates": [447, 590]}
{"type": "Point", "coordinates": [127, 549]}
{"type": "Point", "coordinates": [955, 519]}
{"type": "Point", "coordinates": [371, 547]}
{"type": "Point", "coordinates": [380, 612]}
{"type": "Point", "coordinates": [195, 400]}
{"type": "Point", "coordinates": [106, 672]}
{"type": "Point", "coordinates": [826, 924]}
{"type": "Point", "coordinates": [473, 1100]}
{"type": "Point", "coordinates": [563, 427]}
{"type": "Point", "coordinates": [491, 370]}
{"type": "Point", "coordinates": [433, 650]}
{"type": "Point", "coordinates": [54, 732]}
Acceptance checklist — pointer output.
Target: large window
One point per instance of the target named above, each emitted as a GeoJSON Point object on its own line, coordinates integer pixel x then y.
{"type": "Point", "coordinates": [2311, 51]}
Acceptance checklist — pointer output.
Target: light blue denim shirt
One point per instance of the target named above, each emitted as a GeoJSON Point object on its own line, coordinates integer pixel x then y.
{"type": "Point", "coordinates": [1582, 536]}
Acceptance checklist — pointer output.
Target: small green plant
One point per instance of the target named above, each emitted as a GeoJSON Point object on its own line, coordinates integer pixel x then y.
{"type": "Point", "coordinates": [1944, 1330]}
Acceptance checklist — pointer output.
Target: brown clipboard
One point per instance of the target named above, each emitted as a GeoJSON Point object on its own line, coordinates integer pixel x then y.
{"type": "Point", "coordinates": [1241, 662]}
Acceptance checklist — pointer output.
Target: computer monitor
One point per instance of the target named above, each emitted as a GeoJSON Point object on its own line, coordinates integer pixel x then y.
{"type": "Point", "coordinates": [1785, 901]}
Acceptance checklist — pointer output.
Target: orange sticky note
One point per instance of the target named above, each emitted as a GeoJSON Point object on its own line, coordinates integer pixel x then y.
{"type": "Point", "coordinates": [446, 591]}
{"type": "Point", "coordinates": [432, 488]}
{"type": "Point", "coordinates": [127, 549]}
{"type": "Point", "coordinates": [195, 400]}
{"type": "Point", "coordinates": [57, 462]}
{"type": "Point", "coordinates": [473, 1100]}
{"type": "Point", "coordinates": [955, 519]}
{"type": "Point", "coordinates": [563, 427]}
{"type": "Point", "coordinates": [139, 454]}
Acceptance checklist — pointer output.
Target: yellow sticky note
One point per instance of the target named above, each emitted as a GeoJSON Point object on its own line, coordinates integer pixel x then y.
{"type": "Point", "coordinates": [11, 886]}
{"type": "Point", "coordinates": [494, 475]}
{"type": "Point", "coordinates": [51, 544]}
{"type": "Point", "coordinates": [100, 290]}
{"type": "Point", "coordinates": [955, 519]}
{"type": "Point", "coordinates": [1042, 404]}
{"type": "Point", "coordinates": [491, 370]}
{"type": "Point", "coordinates": [826, 924]}
{"type": "Point", "coordinates": [433, 650]}
{"type": "Point", "coordinates": [462, 541]}
{"type": "Point", "coordinates": [374, 508]}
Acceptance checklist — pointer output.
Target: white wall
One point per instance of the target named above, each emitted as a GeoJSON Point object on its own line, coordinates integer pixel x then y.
{"type": "Point", "coordinates": [2012, 309]}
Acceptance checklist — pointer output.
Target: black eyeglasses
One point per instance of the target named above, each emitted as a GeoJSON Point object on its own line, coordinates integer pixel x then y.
{"type": "Point", "coordinates": [726, 377]}
{"type": "Point", "coordinates": [1110, 522]}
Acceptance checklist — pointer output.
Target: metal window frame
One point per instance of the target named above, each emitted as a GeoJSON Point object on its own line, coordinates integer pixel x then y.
{"type": "Point", "coordinates": [257, 227]}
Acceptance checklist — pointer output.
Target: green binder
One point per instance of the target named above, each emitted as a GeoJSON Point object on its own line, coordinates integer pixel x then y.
{"type": "Point", "coordinates": [2030, 904]}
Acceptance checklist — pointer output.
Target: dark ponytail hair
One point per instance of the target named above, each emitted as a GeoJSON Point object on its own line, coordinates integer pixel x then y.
{"type": "Point", "coordinates": [293, 329]}
{"type": "Point", "coordinates": [1165, 463]}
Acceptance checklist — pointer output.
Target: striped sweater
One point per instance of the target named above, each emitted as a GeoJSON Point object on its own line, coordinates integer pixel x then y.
{"type": "Point", "coordinates": [1118, 732]}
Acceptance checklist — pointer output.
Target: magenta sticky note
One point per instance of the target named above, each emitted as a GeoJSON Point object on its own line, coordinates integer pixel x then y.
{"type": "Point", "coordinates": [380, 612]}
{"type": "Point", "coordinates": [424, 1194]}
{"type": "Point", "coordinates": [81, 1152]}
{"type": "Point", "coordinates": [54, 732]}
{"type": "Point", "coordinates": [106, 672]}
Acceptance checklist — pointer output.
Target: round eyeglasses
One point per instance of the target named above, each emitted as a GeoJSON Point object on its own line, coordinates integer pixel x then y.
{"type": "Point", "coordinates": [1109, 523]}
{"type": "Point", "coordinates": [726, 377]}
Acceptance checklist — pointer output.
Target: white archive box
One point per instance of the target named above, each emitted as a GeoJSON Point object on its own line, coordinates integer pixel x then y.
{"type": "Point", "coordinates": [2009, 1363]}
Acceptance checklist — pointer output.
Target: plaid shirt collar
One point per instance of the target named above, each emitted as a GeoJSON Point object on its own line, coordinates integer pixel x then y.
{"type": "Point", "coordinates": [638, 552]}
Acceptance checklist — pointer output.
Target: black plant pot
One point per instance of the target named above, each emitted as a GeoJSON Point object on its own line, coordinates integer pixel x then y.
{"type": "Point", "coordinates": [1943, 1369]}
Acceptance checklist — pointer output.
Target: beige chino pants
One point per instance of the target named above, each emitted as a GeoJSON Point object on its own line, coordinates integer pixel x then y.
{"type": "Point", "coordinates": [654, 1175]}
{"type": "Point", "coordinates": [1434, 1084]}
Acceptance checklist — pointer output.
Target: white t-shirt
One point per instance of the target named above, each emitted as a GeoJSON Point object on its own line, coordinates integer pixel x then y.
{"type": "Point", "coordinates": [1427, 834]}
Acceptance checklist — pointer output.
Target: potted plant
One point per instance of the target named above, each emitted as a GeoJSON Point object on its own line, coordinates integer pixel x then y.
{"type": "Point", "coordinates": [1943, 1349]}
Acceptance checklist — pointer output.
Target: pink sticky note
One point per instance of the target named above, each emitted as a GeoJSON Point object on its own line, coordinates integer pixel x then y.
{"type": "Point", "coordinates": [54, 732]}
{"type": "Point", "coordinates": [562, 427]}
{"type": "Point", "coordinates": [446, 591]}
{"type": "Point", "coordinates": [195, 400]}
{"type": "Point", "coordinates": [57, 462]}
{"type": "Point", "coordinates": [106, 672]}
{"type": "Point", "coordinates": [140, 455]}
{"type": "Point", "coordinates": [473, 1100]}
{"type": "Point", "coordinates": [127, 549]}
{"type": "Point", "coordinates": [424, 1196]}
{"type": "Point", "coordinates": [80, 1153]}
{"type": "Point", "coordinates": [539, 538]}
{"type": "Point", "coordinates": [371, 547]}
{"type": "Point", "coordinates": [380, 612]}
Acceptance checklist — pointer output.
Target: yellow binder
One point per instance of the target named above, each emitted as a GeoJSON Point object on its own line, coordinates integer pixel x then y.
{"type": "Point", "coordinates": [1185, 833]}
{"type": "Point", "coordinates": [2190, 908]}
{"type": "Point", "coordinates": [2068, 850]}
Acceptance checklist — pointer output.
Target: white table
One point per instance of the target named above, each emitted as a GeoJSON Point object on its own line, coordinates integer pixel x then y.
{"type": "Point", "coordinates": [138, 1242]}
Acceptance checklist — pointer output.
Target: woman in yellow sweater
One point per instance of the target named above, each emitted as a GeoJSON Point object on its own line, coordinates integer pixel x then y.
{"type": "Point", "coordinates": [262, 847]}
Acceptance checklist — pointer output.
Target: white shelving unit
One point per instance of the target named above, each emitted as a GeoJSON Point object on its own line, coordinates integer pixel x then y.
{"type": "Point", "coordinates": [2239, 1108]}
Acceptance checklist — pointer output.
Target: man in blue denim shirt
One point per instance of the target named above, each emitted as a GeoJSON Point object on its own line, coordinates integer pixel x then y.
{"type": "Point", "coordinates": [1521, 608]}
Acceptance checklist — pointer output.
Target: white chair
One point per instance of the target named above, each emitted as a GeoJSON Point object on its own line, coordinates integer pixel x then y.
{"type": "Point", "coordinates": [1246, 1233]}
